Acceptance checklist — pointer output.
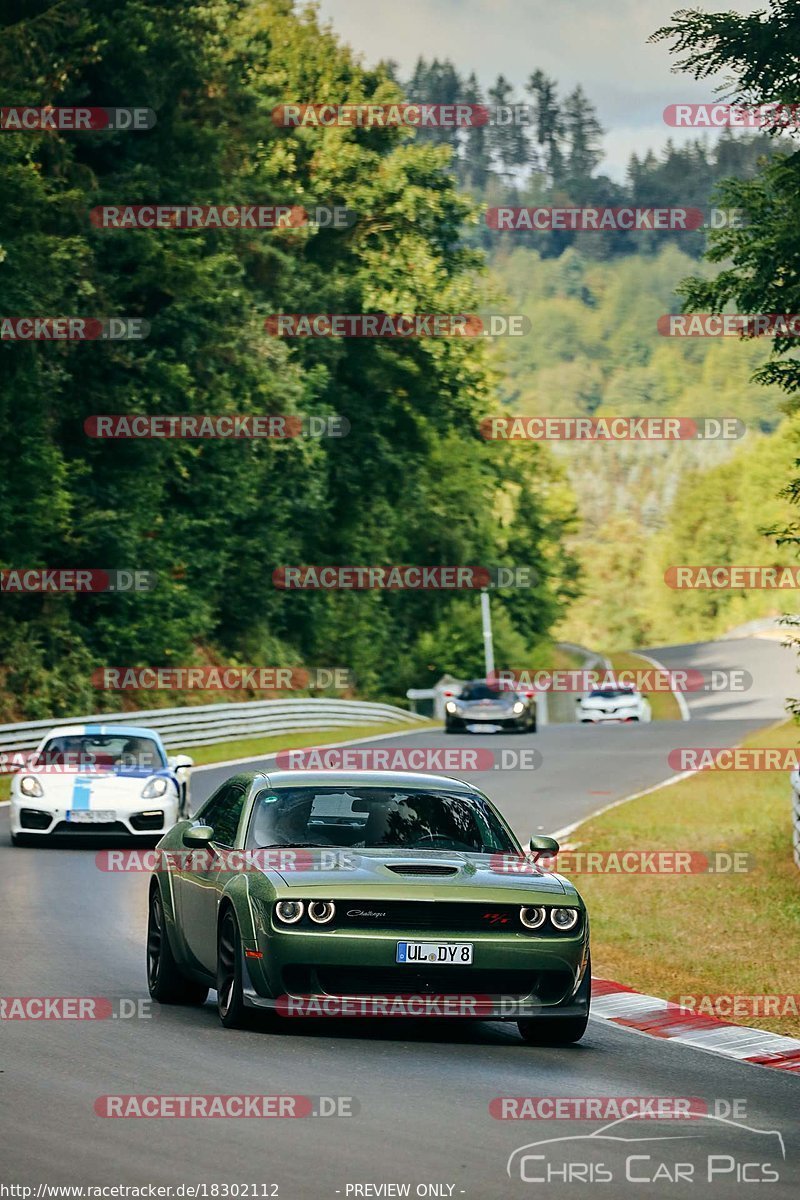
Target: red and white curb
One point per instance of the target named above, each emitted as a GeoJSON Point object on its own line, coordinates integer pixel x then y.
{"type": "Point", "coordinates": [659, 1018]}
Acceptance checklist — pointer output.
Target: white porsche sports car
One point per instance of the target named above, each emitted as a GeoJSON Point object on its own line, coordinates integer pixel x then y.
{"type": "Point", "coordinates": [613, 704]}
{"type": "Point", "coordinates": [99, 780]}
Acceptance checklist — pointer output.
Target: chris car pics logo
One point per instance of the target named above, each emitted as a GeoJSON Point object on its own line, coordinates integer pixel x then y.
{"type": "Point", "coordinates": [709, 1150]}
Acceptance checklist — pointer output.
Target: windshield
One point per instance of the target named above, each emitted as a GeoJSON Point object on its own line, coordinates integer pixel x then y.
{"type": "Point", "coordinates": [610, 693]}
{"type": "Point", "coordinates": [102, 752]}
{"type": "Point", "coordinates": [377, 817]}
{"type": "Point", "coordinates": [482, 691]}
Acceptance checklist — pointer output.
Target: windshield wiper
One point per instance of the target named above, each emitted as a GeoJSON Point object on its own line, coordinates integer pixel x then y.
{"type": "Point", "coordinates": [296, 846]}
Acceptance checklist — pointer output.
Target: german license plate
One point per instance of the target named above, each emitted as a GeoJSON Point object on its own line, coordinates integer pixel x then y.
{"type": "Point", "coordinates": [90, 816]}
{"type": "Point", "coordinates": [434, 953]}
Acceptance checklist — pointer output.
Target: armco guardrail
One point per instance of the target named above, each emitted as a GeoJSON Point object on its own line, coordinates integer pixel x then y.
{"type": "Point", "coordinates": [205, 724]}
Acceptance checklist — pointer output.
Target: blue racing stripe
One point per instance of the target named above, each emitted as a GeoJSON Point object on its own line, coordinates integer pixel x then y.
{"type": "Point", "coordinates": [82, 793]}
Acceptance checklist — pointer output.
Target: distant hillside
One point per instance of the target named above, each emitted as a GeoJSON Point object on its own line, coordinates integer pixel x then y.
{"type": "Point", "coordinates": [595, 350]}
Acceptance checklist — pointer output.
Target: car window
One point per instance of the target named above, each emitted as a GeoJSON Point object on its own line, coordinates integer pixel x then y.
{"type": "Point", "coordinates": [375, 817]}
{"type": "Point", "coordinates": [481, 691]}
{"type": "Point", "coordinates": [85, 751]}
{"type": "Point", "coordinates": [223, 812]}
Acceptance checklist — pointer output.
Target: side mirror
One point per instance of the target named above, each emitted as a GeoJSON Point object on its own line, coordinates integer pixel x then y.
{"type": "Point", "coordinates": [546, 846]}
{"type": "Point", "coordinates": [180, 762]}
{"type": "Point", "coordinates": [199, 836]}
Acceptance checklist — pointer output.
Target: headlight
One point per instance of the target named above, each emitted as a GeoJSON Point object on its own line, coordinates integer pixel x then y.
{"type": "Point", "coordinates": [450, 707]}
{"type": "Point", "coordinates": [519, 707]}
{"type": "Point", "coordinates": [289, 911]}
{"type": "Point", "coordinates": [564, 918]}
{"type": "Point", "coordinates": [532, 918]}
{"type": "Point", "coordinates": [156, 787]}
{"type": "Point", "coordinates": [321, 911]}
{"type": "Point", "coordinates": [29, 786]}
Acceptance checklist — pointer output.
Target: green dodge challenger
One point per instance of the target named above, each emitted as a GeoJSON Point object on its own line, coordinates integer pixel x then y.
{"type": "Point", "coordinates": [331, 893]}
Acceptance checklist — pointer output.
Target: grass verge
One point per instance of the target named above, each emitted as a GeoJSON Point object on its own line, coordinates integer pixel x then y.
{"type": "Point", "coordinates": [222, 751]}
{"type": "Point", "coordinates": [674, 935]}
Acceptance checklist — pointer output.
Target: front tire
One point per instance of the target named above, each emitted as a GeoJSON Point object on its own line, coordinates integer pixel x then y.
{"type": "Point", "coordinates": [230, 994]}
{"type": "Point", "coordinates": [559, 1031]}
{"type": "Point", "coordinates": [165, 981]}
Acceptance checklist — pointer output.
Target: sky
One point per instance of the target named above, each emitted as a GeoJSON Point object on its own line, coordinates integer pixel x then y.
{"type": "Point", "coordinates": [602, 46]}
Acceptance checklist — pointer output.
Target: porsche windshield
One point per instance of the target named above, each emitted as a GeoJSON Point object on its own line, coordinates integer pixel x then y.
{"type": "Point", "coordinates": [375, 818]}
{"type": "Point", "coordinates": [109, 752]}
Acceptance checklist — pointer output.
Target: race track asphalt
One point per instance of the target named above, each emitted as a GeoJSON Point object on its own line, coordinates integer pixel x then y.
{"type": "Point", "coordinates": [422, 1089]}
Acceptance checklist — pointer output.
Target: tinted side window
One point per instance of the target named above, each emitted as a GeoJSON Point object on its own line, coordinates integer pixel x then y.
{"type": "Point", "coordinates": [222, 812]}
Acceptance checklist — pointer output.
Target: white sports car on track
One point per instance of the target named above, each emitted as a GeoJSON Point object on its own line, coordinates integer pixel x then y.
{"type": "Point", "coordinates": [613, 704]}
{"type": "Point", "coordinates": [99, 780]}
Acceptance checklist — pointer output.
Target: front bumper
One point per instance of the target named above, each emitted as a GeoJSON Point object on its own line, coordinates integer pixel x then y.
{"type": "Point", "coordinates": [595, 716]}
{"type": "Point", "coordinates": [337, 973]}
{"type": "Point", "coordinates": [466, 724]}
{"type": "Point", "coordinates": [30, 819]}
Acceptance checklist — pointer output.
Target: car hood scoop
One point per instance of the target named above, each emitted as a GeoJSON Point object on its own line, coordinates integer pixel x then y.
{"type": "Point", "coordinates": [403, 869]}
{"type": "Point", "coordinates": [423, 868]}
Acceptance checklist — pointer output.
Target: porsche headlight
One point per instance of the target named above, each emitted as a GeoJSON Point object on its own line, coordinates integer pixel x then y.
{"type": "Point", "coordinates": [519, 707]}
{"type": "Point", "coordinates": [450, 707]}
{"type": "Point", "coordinates": [564, 919]}
{"type": "Point", "coordinates": [289, 911]}
{"type": "Point", "coordinates": [156, 787]}
{"type": "Point", "coordinates": [532, 918]}
{"type": "Point", "coordinates": [29, 786]}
